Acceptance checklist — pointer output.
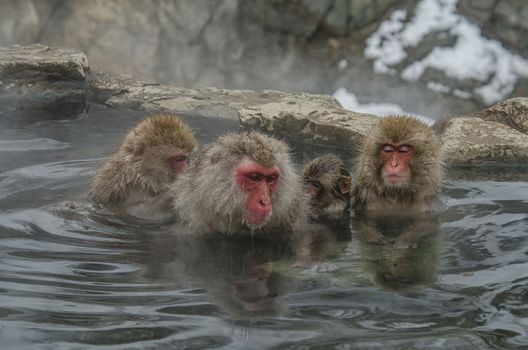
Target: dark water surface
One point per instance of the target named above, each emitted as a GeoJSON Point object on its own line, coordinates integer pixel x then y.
{"type": "Point", "coordinates": [75, 278]}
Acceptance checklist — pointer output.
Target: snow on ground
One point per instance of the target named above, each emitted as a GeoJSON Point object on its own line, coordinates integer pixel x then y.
{"type": "Point", "coordinates": [349, 101]}
{"type": "Point", "coordinates": [473, 56]}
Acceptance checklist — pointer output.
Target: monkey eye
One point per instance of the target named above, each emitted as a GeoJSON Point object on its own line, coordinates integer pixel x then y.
{"type": "Point", "coordinates": [387, 148]}
{"type": "Point", "coordinates": [272, 178]}
{"type": "Point", "coordinates": [405, 149]}
{"type": "Point", "coordinates": [315, 184]}
{"type": "Point", "coordinates": [181, 158]}
{"type": "Point", "coordinates": [254, 177]}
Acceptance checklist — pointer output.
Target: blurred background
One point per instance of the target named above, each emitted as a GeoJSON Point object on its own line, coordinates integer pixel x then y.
{"type": "Point", "coordinates": [430, 57]}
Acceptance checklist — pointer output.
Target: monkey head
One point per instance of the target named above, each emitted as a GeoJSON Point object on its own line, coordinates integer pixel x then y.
{"type": "Point", "coordinates": [399, 161]}
{"type": "Point", "coordinates": [160, 146]}
{"type": "Point", "coordinates": [241, 181]}
{"type": "Point", "coordinates": [327, 183]}
{"type": "Point", "coordinates": [134, 180]}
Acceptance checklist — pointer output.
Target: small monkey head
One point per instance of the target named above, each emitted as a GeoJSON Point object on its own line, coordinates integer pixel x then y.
{"type": "Point", "coordinates": [160, 145]}
{"type": "Point", "coordinates": [327, 183]}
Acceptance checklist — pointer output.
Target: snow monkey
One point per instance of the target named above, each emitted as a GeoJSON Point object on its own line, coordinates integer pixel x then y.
{"type": "Point", "coordinates": [399, 166]}
{"type": "Point", "coordinates": [398, 179]}
{"type": "Point", "coordinates": [134, 180]}
{"type": "Point", "coordinates": [241, 182]}
{"type": "Point", "coordinates": [327, 183]}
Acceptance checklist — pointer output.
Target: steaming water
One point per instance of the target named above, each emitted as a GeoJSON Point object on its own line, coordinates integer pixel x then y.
{"type": "Point", "coordinates": [75, 278]}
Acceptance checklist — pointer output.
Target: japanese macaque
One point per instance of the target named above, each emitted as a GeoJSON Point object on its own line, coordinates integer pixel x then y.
{"type": "Point", "coordinates": [398, 179]}
{"type": "Point", "coordinates": [135, 180]}
{"type": "Point", "coordinates": [399, 167]}
{"type": "Point", "coordinates": [327, 183]}
{"type": "Point", "coordinates": [241, 182]}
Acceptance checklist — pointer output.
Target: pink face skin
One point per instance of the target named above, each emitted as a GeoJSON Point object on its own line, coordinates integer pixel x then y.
{"type": "Point", "coordinates": [179, 162]}
{"type": "Point", "coordinates": [395, 158]}
{"type": "Point", "coordinates": [258, 183]}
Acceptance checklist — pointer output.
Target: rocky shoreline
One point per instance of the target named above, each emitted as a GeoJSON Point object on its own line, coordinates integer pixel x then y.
{"type": "Point", "coordinates": [41, 78]}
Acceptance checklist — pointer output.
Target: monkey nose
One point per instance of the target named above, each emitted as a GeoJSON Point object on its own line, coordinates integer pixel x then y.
{"type": "Point", "coordinates": [264, 202]}
{"type": "Point", "coordinates": [394, 162]}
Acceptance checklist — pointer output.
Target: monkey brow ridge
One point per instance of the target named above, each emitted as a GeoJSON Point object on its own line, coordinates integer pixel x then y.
{"type": "Point", "coordinates": [256, 146]}
{"type": "Point", "coordinates": [404, 128]}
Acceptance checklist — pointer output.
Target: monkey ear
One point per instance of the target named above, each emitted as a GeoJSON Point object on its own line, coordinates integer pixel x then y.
{"type": "Point", "coordinates": [133, 144]}
{"type": "Point", "coordinates": [345, 183]}
{"type": "Point", "coordinates": [139, 149]}
{"type": "Point", "coordinates": [138, 146]}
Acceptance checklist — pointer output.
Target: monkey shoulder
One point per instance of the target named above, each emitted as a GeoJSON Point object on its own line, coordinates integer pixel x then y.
{"type": "Point", "coordinates": [107, 183]}
{"type": "Point", "coordinates": [118, 181]}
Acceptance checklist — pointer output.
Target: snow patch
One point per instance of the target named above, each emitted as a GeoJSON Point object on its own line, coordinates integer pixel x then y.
{"type": "Point", "coordinates": [438, 87]}
{"type": "Point", "coordinates": [349, 101]}
{"type": "Point", "coordinates": [473, 57]}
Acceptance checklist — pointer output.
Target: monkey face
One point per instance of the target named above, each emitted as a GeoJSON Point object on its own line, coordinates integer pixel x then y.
{"type": "Point", "coordinates": [258, 184]}
{"type": "Point", "coordinates": [312, 187]}
{"type": "Point", "coordinates": [179, 162]}
{"type": "Point", "coordinates": [165, 161]}
{"type": "Point", "coordinates": [395, 159]}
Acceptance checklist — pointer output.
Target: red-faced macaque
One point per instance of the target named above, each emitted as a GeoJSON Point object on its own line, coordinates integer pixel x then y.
{"type": "Point", "coordinates": [241, 182]}
{"type": "Point", "coordinates": [398, 174]}
{"type": "Point", "coordinates": [135, 180]}
{"type": "Point", "coordinates": [327, 183]}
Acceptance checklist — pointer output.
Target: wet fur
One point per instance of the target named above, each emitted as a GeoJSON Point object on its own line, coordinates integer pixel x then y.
{"type": "Point", "coordinates": [369, 190]}
{"type": "Point", "coordinates": [331, 202]}
{"type": "Point", "coordinates": [207, 198]}
{"type": "Point", "coordinates": [135, 179]}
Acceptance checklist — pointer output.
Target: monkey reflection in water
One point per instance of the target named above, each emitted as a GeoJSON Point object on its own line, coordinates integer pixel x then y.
{"type": "Point", "coordinates": [240, 274]}
{"type": "Point", "coordinates": [395, 196]}
{"type": "Point", "coordinates": [327, 184]}
{"type": "Point", "coordinates": [403, 270]}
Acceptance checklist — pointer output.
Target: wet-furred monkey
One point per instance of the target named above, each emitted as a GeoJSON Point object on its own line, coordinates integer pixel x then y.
{"type": "Point", "coordinates": [399, 166]}
{"type": "Point", "coordinates": [327, 182]}
{"type": "Point", "coordinates": [134, 180]}
{"type": "Point", "coordinates": [242, 182]}
{"type": "Point", "coordinates": [398, 179]}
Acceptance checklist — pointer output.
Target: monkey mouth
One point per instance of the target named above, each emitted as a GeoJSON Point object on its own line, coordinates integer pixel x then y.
{"type": "Point", "coordinates": [395, 179]}
{"type": "Point", "coordinates": [254, 220]}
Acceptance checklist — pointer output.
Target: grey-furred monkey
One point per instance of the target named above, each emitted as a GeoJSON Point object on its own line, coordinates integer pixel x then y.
{"type": "Point", "coordinates": [134, 180]}
{"type": "Point", "coordinates": [327, 182]}
{"type": "Point", "coordinates": [398, 181]}
{"type": "Point", "coordinates": [242, 182]}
